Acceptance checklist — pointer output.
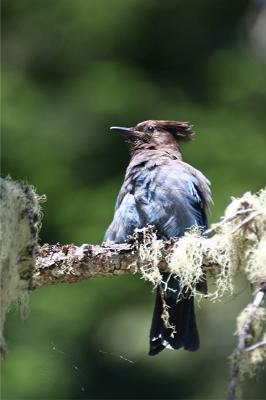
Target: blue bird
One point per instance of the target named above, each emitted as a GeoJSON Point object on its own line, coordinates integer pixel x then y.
{"type": "Point", "coordinates": [162, 190]}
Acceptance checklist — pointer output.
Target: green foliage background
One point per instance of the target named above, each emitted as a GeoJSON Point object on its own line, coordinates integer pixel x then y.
{"type": "Point", "coordinates": [70, 70]}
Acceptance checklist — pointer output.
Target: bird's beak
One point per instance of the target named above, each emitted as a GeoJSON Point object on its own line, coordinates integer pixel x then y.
{"type": "Point", "coordinates": [130, 133]}
{"type": "Point", "coordinates": [121, 129]}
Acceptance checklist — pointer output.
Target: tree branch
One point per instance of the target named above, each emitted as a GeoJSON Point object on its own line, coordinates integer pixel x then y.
{"type": "Point", "coordinates": [70, 263]}
{"type": "Point", "coordinates": [244, 335]}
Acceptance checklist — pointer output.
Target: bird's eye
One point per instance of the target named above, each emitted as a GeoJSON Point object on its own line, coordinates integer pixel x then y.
{"type": "Point", "coordinates": [150, 129]}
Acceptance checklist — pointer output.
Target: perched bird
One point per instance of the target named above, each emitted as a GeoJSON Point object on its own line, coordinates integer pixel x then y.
{"type": "Point", "coordinates": [162, 190]}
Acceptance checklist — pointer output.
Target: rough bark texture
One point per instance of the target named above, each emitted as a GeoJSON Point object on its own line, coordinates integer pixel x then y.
{"type": "Point", "coordinates": [70, 263]}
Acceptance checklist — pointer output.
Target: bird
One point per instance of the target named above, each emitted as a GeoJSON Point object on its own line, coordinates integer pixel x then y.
{"type": "Point", "coordinates": [163, 191]}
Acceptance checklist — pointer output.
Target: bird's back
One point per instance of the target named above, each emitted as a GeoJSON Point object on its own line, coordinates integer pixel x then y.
{"type": "Point", "coordinates": [160, 190]}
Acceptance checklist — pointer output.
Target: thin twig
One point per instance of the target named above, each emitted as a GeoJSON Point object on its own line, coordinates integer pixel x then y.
{"type": "Point", "coordinates": [227, 219]}
{"type": "Point", "coordinates": [245, 221]}
{"type": "Point", "coordinates": [256, 345]}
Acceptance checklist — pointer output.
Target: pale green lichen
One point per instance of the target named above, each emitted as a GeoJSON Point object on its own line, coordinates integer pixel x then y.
{"type": "Point", "coordinates": [247, 359]}
{"type": "Point", "coordinates": [232, 248]}
{"type": "Point", "coordinates": [149, 254]}
{"type": "Point", "coordinates": [249, 241]}
{"type": "Point", "coordinates": [258, 355]}
{"type": "Point", "coordinates": [256, 316]}
{"type": "Point", "coordinates": [20, 218]}
{"type": "Point", "coordinates": [185, 260]}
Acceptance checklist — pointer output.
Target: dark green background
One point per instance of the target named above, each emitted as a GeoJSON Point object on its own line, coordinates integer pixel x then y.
{"type": "Point", "coordinates": [70, 70]}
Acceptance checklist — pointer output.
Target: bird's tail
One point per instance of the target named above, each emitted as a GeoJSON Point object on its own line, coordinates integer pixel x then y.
{"type": "Point", "coordinates": [182, 329]}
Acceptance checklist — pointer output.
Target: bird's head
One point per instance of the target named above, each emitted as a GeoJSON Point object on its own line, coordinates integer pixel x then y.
{"type": "Point", "coordinates": [154, 134]}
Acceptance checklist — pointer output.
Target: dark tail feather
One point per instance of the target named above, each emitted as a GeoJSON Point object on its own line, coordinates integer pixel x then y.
{"type": "Point", "coordinates": [182, 317]}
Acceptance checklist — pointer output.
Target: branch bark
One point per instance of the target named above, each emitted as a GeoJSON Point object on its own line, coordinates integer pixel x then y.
{"type": "Point", "coordinates": [69, 263]}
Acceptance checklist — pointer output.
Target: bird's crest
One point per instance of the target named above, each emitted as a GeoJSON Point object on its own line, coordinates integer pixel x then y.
{"type": "Point", "coordinates": [182, 131]}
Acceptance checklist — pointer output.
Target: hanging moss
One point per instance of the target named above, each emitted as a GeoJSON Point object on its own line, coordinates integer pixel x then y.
{"type": "Point", "coordinates": [20, 224]}
{"type": "Point", "coordinates": [232, 248]}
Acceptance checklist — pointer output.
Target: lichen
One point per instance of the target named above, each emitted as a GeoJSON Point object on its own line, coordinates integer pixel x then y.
{"type": "Point", "coordinates": [258, 355]}
{"type": "Point", "coordinates": [247, 359]}
{"type": "Point", "coordinates": [249, 241]}
{"type": "Point", "coordinates": [20, 223]}
{"type": "Point", "coordinates": [185, 260]}
{"type": "Point", "coordinates": [257, 317]}
{"type": "Point", "coordinates": [150, 254]}
{"type": "Point", "coordinates": [232, 248]}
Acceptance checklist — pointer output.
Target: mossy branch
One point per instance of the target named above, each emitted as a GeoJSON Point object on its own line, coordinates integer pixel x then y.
{"type": "Point", "coordinates": [69, 263]}
{"type": "Point", "coordinates": [237, 243]}
{"type": "Point", "coordinates": [247, 357]}
{"type": "Point", "coordinates": [19, 225]}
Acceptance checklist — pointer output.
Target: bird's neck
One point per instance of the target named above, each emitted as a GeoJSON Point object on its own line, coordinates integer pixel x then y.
{"type": "Point", "coordinates": [149, 150]}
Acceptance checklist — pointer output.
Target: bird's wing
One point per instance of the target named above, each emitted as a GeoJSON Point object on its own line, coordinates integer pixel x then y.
{"type": "Point", "coordinates": [196, 199]}
{"type": "Point", "coordinates": [202, 183]}
{"type": "Point", "coordinates": [126, 219]}
{"type": "Point", "coordinates": [175, 199]}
